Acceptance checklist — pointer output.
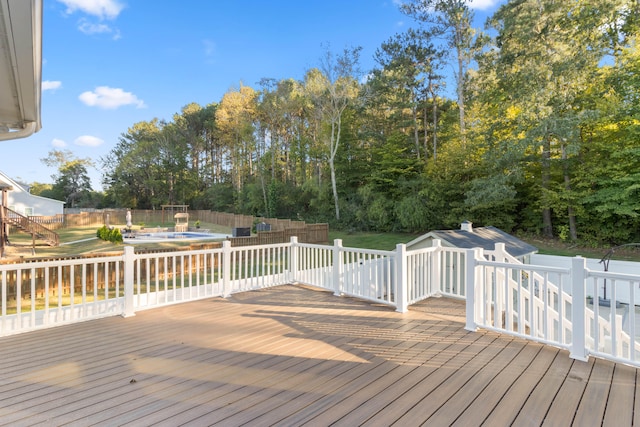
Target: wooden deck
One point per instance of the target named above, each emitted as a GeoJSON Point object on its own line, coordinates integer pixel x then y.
{"type": "Point", "coordinates": [293, 356]}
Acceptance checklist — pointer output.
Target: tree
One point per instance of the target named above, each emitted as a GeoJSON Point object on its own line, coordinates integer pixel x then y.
{"type": "Point", "coordinates": [72, 183]}
{"type": "Point", "coordinates": [546, 56]}
{"type": "Point", "coordinates": [235, 117]}
{"type": "Point", "coordinates": [130, 169]}
{"type": "Point", "coordinates": [450, 19]}
{"type": "Point", "coordinates": [409, 67]}
{"type": "Point", "coordinates": [333, 87]}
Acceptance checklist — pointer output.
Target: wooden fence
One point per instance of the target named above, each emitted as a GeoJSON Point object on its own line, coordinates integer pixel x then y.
{"type": "Point", "coordinates": [308, 233]}
{"type": "Point", "coordinates": [281, 229]}
{"type": "Point", "coordinates": [118, 216]}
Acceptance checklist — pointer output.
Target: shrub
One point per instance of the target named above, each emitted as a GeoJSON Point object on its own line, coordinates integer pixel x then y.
{"type": "Point", "coordinates": [110, 235]}
{"type": "Point", "coordinates": [115, 236]}
{"type": "Point", "coordinates": [103, 233]}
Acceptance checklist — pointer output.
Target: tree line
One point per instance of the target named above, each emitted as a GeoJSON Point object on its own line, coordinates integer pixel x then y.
{"type": "Point", "coordinates": [540, 136]}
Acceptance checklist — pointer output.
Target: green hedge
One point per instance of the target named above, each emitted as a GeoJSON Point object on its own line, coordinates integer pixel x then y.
{"type": "Point", "coordinates": [109, 234]}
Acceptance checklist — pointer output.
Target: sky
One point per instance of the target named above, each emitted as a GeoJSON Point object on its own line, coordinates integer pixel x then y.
{"type": "Point", "coordinates": [108, 64]}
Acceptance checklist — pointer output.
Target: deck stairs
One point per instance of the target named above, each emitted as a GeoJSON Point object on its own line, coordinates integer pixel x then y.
{"type": "Point", "coordinates": [27, 225]}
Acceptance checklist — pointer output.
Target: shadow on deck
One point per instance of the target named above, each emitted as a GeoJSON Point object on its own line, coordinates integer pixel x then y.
{"type": "Point", "coordinates": [291, 355]}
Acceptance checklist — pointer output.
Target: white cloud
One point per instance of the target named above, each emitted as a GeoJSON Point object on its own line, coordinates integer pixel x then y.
{"type": "Point", "coordinates": [91, 28]}
{"type": "Point", "coordinates": [88, 141]}
{"type": "Point", "coordinates": [103, 9]}
{"type": "Point", "coordinates": [58, 143]}
{"type": "Point", "coordinates": [209, 47]}
{"type": "Point", "coordinates": [110, 98]}
{"type": "Point", "coordinates": [482, 4]}
{"type": "Point", "coordinates": [51, 85]}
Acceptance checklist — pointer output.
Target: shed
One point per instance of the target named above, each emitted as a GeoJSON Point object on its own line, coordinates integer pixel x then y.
{"type": "Point", "coordinates": [468, 237]}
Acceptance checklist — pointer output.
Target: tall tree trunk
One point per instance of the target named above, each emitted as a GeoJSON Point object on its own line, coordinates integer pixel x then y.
{"type": "Point", "coordinates": [573, 232]}
{"type": "Point", "coordinates": [416, 135]}
{"type": "Point", "coordinates": [547, 228]}
{"type": "Point", "coordinates": [334, 187]}
{"type": "Point", "coordinates": [435, 129]}
{"type": "Point", "coordinates": [426, 133]}
{"type": "Point", "coordinates": [414, 113]}
{"type": "Point", "coordinates": [460, 93]}
{"type": "Point", "coordinates": [335, 138]}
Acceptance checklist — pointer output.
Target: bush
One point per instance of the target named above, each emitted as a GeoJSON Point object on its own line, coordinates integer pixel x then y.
{"type": "Point", "coordinates": [110, 235]}
{"type": "Point", "coordinates": [115, 236]}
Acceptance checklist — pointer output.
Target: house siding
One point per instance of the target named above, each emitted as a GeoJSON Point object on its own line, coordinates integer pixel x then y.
{"type": "Point", "coordinates": [21, 201]}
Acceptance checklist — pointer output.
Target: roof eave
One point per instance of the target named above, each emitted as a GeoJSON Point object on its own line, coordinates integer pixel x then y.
{"type": "Point", "coordinates": [20, 68]}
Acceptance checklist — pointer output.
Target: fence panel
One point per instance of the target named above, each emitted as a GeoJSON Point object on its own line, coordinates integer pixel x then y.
{"type": "Point", "coordinates": [315, 265]}
{"type": "Point", "coordinates": [612, 322]}
{"type": "Point", "coordinates": [37, 295]}
{"type": "Point", "coordinates": [421, 271]}
{"type": "Point", "coordinates": [525, 300]}
{"type": "Point", "coordinates": [451, 270]}
{"type": "Point", "coordinates": [171, 277]}
{"type": "Point", "coordinates": [369, 274]}
{"type": "Point", "coordinates": [259, 267]}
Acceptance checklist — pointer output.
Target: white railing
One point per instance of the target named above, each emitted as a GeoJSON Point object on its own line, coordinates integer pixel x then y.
{"type": "Point", "coordinates": [50, 293]}
{"type": "Point", "coordinates": [520, 299]}
{"type": "Point", "coordinates": [172, 277]}
{"type": "Point", "coordinates": [37, 295]}
{"type": "Point", "coordinates": [363, 273]}
{"type": "Point", "coordinates": [612, 324]}
{"type": "Point", "coordinates": [537, 302]}
{"type": "Point", "coordinates": [502, 294]}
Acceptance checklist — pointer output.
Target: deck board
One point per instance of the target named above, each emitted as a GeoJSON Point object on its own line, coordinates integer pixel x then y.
{"type": "Point", "coordinates": [569, 378]}
{"type": "Point", "coordinates": [543, 392]}
{"type": "Point", "coordinates": [594, 400]}
{"type": "Point", "coordinates": [620, 397]}
{"type": "Point", "coordinates": [484, 394]}
{"type": "Point", "coordinates": [291, 355]}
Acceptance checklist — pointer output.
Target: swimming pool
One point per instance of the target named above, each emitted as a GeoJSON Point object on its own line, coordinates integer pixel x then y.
{"type": "Point", "coordinates": [168, 236]}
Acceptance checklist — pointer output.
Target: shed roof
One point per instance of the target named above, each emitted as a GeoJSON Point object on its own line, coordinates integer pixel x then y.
{"type": "Point", "coordinates": [480, 237]}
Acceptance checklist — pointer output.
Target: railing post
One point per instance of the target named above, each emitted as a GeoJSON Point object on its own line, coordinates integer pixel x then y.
{"type": "Point", "coordinates": [226, 268]}
{"type": "Point", "coordinates": [471, 280]}
{"type": "Point", "coordinates": [501, 300]}
{"type": "Point", "coordinates": [501, 250]}
{"type": "Point", "coordinates": [337, 267]}
{"type": "Point", "coordinates": [578, 307]}
{"type": "Point", "coordinates": [129, 263]}
{"type": "Point", "coordinates": [293, 259]}
{"type": "Point", "coordinates": [402, 290]}
{"type": "Point", "coordinates": [436, 265]}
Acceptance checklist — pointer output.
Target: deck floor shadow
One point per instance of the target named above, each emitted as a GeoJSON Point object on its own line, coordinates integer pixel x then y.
{"type": "Point", "coordinates": [293, 355]}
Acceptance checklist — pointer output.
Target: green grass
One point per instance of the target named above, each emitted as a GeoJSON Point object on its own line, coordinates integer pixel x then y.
{"type": "Point", "coordinates": [555, 247]}
{"type": "Point", "coordinates": [82, 240]}
{"type": "Point", "coordinates": [363, 240]}
{"type": "Point", "coordinates": [388, 241]}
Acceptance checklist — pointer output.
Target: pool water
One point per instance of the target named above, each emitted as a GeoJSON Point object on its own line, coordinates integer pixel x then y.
{"type": "Point", "coordinates": [172, 235]}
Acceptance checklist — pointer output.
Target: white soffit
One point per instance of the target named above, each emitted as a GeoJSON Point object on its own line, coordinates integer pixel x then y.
{"type": "Point", "coordinates": [20, 67]}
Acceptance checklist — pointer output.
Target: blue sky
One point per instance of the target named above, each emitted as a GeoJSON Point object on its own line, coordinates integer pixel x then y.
{"type": "Point", "coordinates": [108, 64]}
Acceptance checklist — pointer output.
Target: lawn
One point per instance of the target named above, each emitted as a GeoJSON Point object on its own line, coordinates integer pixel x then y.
{"type": "Point", "coordinates": [388, 241]}
{"type": "Point", "coordinates": [83, 240]}
{"type": "Point", "coordinates": [370, 240]}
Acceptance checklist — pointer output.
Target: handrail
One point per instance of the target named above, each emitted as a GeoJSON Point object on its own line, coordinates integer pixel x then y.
{"type": "Point", "coordinates": [24, 223]}
{"type": "Point", "coordinates": [546, 308]}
